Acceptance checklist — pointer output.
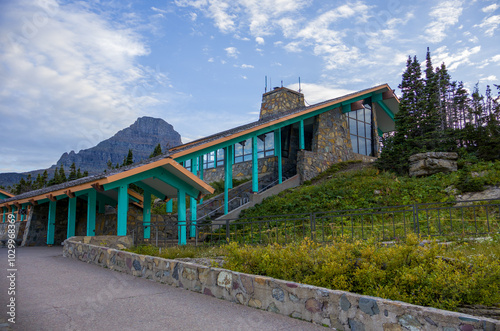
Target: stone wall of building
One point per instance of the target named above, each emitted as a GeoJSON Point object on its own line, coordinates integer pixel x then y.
{"type": "Point", "coordinates": [280, 100]}
{"type": "Point", "coordinates": [266, 166]}
{"type": "Point", "coordinates": [331, 144]}
{"type": "Point", "coordinates": [335, 309]}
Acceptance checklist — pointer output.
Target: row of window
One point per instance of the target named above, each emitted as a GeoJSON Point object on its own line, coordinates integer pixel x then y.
{"type": "Point", "coordinates": [242, 152]}
{"type": "Point", "coordinates": [360, 127]}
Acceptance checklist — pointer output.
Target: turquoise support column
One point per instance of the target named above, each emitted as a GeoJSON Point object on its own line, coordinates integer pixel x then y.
{"type": "Point", "coordinates": [192, 202]}
{"type": "Point", "coordinates": [255, 166]}
{"type": "Point", "coordinates": [121, 228]}
{"type": "Point", "coordinates": [4, 210]}
{"type": "Point", "coordinates": [231, 162]}
{"type": "Point", "coordinates": [91, 209]}
{"type": "Point", "coordinates": [71, 217]}
{"type": "Point", "coordinates": [227, 178]}
{"type": "Point", "coordinates": [181, 216]}
{"type": "Point", "coordinates": [13, 211]}
{"type": "Point", "coordinates": [52, 222]}
{"type": "Point", "coordinates": [215, 158]}
{"type": "Point", "coordinates": [202, 165]}
{"type": "Point", "coordinates": [277, 152]}
{"type": "Point", "coordinates": [146, 214]}
{"type": "Point", "coordinates": [302, 144]}
{"type": "Point", "coordinates": [169, 206]}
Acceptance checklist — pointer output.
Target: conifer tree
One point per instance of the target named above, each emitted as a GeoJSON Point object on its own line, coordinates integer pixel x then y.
{"type": "Point", "coordinates": [156, 151]}
{"type": "Point", "coordinates": [62, 175]}
{"type": "Point", "coordinates": [72, 173]}
{"type": "Point", "coordinates": [129, 159]}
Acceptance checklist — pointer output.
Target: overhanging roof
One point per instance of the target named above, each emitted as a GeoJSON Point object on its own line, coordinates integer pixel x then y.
{"type": "Point", "coordinates": [387, 105]}
{"type": "Point", "coordinates": [161, 175]}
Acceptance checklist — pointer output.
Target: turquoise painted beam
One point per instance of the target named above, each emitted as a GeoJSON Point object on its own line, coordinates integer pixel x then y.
{"type": "Point", "coordinates": [379, 100]}
{"type": "Point", "coordinates": [181, 216]}
{"type": "Point", "coordinates": [153, 191]}
{"type": "Point", "coordinates": [84, 192]}
{"type": "Point", "coordinates": [169, 208]}
{"type": "Point", "coordinates": [158, 173]}
{"type": "Point", "coordinates": [359, 98]}
{"type": "Point", "coordinates": [346, 108]}
{"type": "Point", "coordinates": [51, 226]}
{"type": "Point", "coordinates": [255, 166]}
{"type": "Point", "coordinates": [71, 217]}
{"type": "Point", "coordinates": [227, 178]}
{"type": "Point", "coordinates": [146, 214]}
{"type": "Point", "coordinates": [91, 210]}
{"type": "Point", "coordinates": [277, 152]}
{"type": "Point", "coordinates": [122, 210]}
{"type": "Point", "coordinates": [192, 202]}
{"type": "Point", "coordinates": [380, 132]}
{"type": "Point", "coordinates": [302, 144]}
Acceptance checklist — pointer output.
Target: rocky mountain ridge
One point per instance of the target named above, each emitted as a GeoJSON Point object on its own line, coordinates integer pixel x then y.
{"type": "Point", "coordinates": [141, 137]}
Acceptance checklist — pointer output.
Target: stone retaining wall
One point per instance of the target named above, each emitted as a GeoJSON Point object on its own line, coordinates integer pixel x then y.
{"type": "Point", "coordinates": [335, 309]}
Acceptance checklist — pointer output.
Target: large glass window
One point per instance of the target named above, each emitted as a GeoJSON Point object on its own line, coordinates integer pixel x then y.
{"type": "Point", "coordinates": [208, 160]}
{"type": "Point", "coordinates": [265, 145]}
{"type": "Point", "coordinates": [360, 127]}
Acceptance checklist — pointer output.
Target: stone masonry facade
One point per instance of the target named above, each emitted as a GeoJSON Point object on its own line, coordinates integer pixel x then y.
{"type": "Point", "coordinates": [242, 170]}
{"type": "Point", "coordinates": [279, 100]}
{"type": "Point", "coordinates": [335, 309]}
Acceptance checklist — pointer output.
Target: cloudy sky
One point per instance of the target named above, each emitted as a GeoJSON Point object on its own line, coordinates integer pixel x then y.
{"type": "Point", "coordinates": [75, 72]}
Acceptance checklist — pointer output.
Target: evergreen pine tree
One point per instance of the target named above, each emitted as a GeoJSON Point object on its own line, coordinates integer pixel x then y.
{"type": "Point", "coordinates": [156, 151]}
{"type": "Point", "coordinates": [78, 173]}
{"type": "Point", "coordinates": [62, 175]}
{"type": "Point", "coordinates": [72, 172]}
{"type": "Point", "coordinates": [129, 159]}
{"type": "Point", "coordinates": [85, 173]}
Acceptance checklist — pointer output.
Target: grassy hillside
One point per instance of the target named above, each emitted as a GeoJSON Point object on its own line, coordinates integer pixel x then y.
{"type": "Point", "coordinates": [365, 187]}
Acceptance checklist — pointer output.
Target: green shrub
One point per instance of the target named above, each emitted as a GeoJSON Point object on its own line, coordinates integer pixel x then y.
{"type": "Point", "coordinates": [405, 271]}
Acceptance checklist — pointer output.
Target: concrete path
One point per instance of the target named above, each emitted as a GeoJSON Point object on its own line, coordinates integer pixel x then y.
{"type": "Point", "coordinates": [55, 293]}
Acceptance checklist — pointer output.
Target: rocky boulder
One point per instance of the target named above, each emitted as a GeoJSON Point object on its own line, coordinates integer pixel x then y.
{"type": "Point", "coordinates": [424, 164]}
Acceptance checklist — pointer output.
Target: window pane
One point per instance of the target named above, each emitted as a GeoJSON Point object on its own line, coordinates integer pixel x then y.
{"type": "Point", "coordinates": [368, 116]}
{"type": "Point", "coordinates": [369, 147]}
{"type": "Point", "coordinates": [362, 146]}
{"type": "Point", "coordinates": [260, 155]}
{"type": "Point", "coordinates": [354, 142]}
{"type": "Point", "coordinates": [238, 159]}
{"type": "Point", "coordinates": [368, 131]}
{"type": "Point", "coordinates": [260, 145]}
{"type": "Point", "coordinates": [360, 113]}
{"type": "Point", "coordinates": [352, 126]}
{"type": "Point", "coordinates": [361, 129]}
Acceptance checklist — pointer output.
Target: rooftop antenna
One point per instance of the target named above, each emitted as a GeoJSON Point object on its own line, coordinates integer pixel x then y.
{"type": "Point", "coordinates": [265, 89]}
{"type": "Point", "coordinates": [300, 90]}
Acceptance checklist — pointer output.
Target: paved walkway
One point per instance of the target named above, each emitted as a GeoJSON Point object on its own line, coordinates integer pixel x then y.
{"type": "Point", "coordinates": [55, 293]}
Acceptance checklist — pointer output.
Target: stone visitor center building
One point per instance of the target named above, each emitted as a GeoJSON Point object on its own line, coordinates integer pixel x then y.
{"type": "Point", "coordinates": [290, 142]}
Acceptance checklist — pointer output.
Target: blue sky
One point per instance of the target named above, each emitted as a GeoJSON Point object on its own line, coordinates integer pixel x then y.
{"type": "Point", "coordinates": [73, 72]}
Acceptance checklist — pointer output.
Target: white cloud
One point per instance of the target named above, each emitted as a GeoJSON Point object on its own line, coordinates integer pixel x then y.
{"type": "Point", "coordinates": [455, 59]}
{"type": "Point", "coordinates": [71, 76]}
{"type": "Point", "coordinates": [444, 15]}
{"type": "Point", "coordinates": [211, 60]}
{"type": "Point", "coordinates": [490, 78]}
{"type": "Point", "coordinates": [159, 10]}
{"type": "Point", "coordinates": [496, 58]}
{"type": "Point", "coordinates": [193, 16]}
{"type": "Point", "coordinates": [232, 52]}
{"type": "Point", "coordinates": [247, 66]}
{"type": "Point", "coordinates": [259, 40]}
{"type": "Point", "coordinates": [490, 24]}
{"type": "Point", "coordinates": [491, 8]}
{"type": "Point", "coordinates": [314, 93]}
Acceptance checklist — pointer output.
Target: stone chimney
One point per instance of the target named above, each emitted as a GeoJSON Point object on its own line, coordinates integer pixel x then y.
{"type": "Point", "coordinates": [279, 100]}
